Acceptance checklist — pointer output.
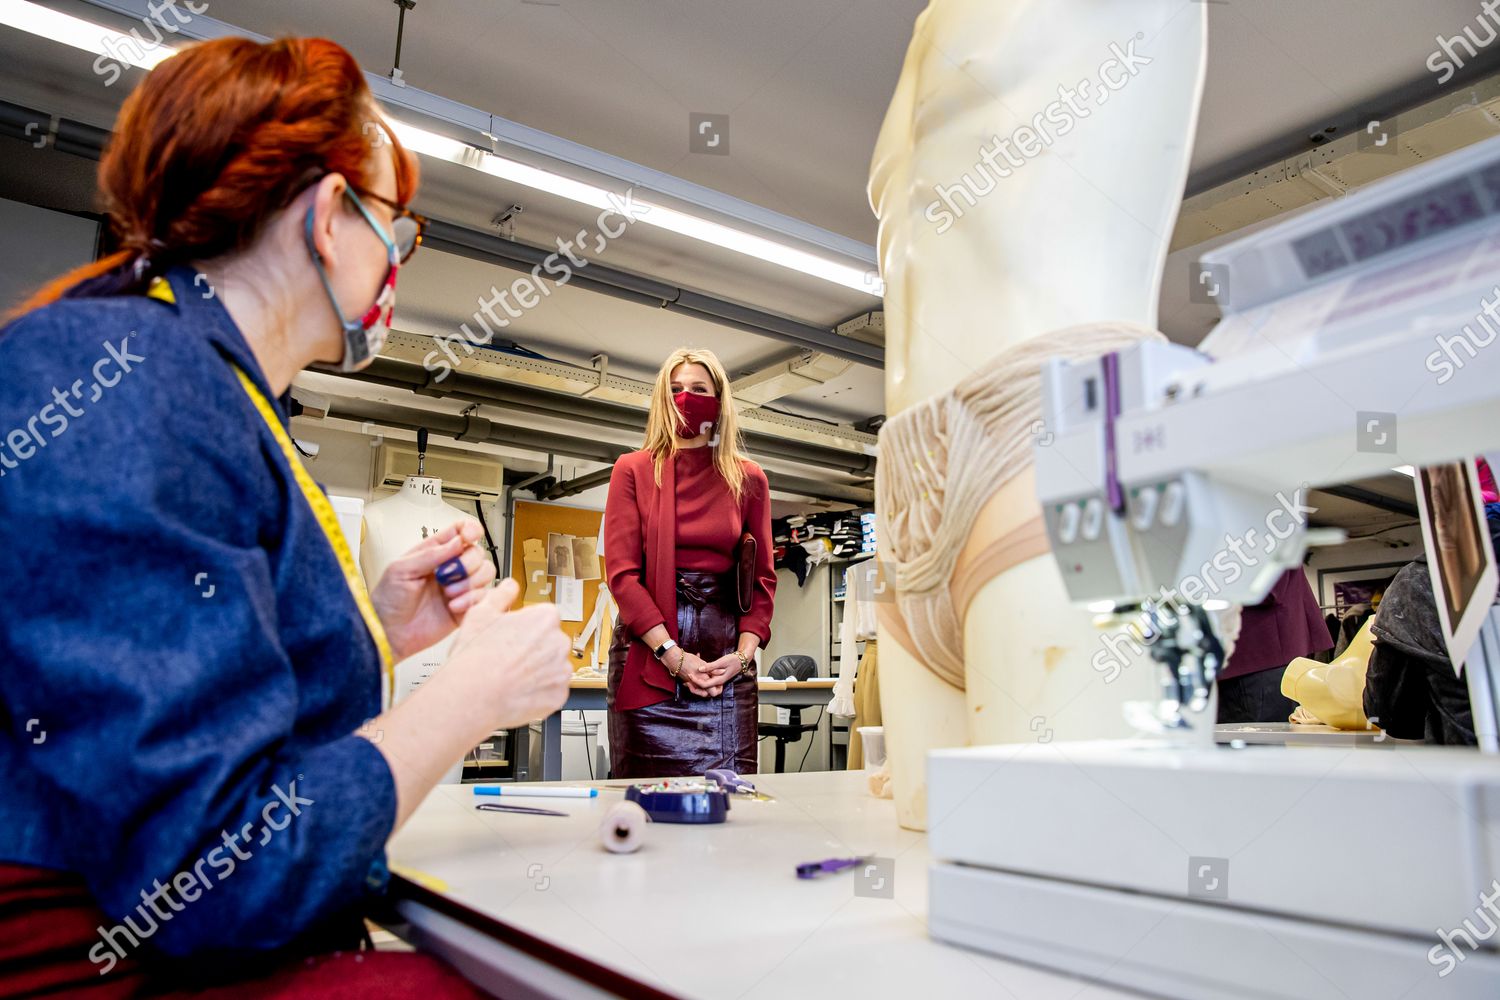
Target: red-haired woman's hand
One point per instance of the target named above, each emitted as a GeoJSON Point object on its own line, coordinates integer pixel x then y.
{"type": "Point", "coordinates": [512, 662]}
{"type": "Point", "coordinates": [415, 609]}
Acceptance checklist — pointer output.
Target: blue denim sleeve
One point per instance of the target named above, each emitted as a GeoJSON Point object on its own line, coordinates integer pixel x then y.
{"type": "Point", "coordinates": [141, 633]}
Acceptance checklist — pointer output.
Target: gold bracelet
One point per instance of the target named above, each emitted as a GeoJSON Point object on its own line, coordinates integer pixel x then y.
{"type": "Point", "coordinates": [747, 665]}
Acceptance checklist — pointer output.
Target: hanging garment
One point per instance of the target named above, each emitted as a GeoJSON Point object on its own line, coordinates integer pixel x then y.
{"type": "Point", "coordinates": [1350, 623]}
{"type": "Point", "coordinates": [795, 560]}
{"type": "Point", "coordinates": [860, 623]}
{"type": "Point", "coordinates": [1282, 627]}
{"type": "Point", "coordinates": [1411, 689]}
{"type": "Point", "coordinates": [866, 703]}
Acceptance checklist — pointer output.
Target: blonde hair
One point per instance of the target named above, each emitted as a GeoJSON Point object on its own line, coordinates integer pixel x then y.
{"type": "Point", "coordinates": [663, 420]}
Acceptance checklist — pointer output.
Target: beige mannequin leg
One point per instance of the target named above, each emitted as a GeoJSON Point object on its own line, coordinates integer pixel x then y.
{"type": "Point", "coordinates": [920, 712]}
{"type": "Point", "coordinates": [1067, 228]}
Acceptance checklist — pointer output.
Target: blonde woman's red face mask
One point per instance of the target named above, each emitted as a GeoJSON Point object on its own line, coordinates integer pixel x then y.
{"type": "Point", "coordinates": [699, 412]}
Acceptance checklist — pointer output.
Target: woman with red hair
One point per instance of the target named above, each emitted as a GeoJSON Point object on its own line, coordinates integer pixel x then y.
{"type": "Point", "coordinates": [196, 788]}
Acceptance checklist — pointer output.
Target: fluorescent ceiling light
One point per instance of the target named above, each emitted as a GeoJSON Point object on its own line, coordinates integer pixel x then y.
{"type": "Point", "coordinates": [441, 147]}
{"type": "Point", "coordinates": [123, 48]}
{"type": "Point", "coordinates": [35, 19]}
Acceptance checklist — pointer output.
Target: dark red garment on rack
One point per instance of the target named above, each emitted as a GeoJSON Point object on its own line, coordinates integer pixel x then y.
{"type": "Point", "coordinates": [1284, 626]}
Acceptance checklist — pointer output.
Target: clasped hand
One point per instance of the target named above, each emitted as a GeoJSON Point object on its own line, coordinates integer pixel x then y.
{"type": "Point", "coordinates": [707, 679]}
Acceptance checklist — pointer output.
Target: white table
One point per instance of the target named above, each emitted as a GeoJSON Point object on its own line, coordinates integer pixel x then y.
{"type": "Point", "coordinates": [699, 911]}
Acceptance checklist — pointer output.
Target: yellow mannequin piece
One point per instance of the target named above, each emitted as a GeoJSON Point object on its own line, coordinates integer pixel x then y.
{"type": "Point", "coordinates": [1334, 692]}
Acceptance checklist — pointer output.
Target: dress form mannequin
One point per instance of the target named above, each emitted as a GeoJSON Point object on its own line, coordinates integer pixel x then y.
{"type": "Point", "coordinates": [392, 526]}
{"type": "Point", "coordinates": [1075, 232]}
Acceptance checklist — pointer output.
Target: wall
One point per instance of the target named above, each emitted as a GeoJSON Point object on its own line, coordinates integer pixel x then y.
{"type": "Point", "coordinates": [1364, 552]}
{"type": "Point", "coordinates": [801, 626]}
{"type": "Point", "coordinates": [38, 244]}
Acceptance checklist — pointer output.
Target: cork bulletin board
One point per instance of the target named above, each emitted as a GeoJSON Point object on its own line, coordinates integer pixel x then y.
{"type": "Point", "coordinates": [534, 519]}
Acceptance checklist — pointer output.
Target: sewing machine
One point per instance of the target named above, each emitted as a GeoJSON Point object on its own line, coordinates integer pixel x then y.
{"type": "Point", "coordinates": [1163, 863]}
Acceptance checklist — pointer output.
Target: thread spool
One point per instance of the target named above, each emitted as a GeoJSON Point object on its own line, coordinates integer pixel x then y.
{"type": "Point", "coordinates": [623, 829]}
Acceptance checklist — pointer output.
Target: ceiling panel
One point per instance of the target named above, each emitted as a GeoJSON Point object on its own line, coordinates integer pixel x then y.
{"type": "Point", "coordinates": [805, 84]}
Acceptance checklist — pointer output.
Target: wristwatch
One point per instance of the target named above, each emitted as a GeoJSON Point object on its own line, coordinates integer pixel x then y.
{"type": "Point", "coordinates": [661, 651]}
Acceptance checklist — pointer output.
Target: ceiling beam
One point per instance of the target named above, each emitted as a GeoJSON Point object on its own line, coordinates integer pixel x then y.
{"type": "Point", "coordinates": [87, 141]}
{"type": "Point", "coordinates": [528, 399]}
{"type": "Point", "coordinates": [464, 428]}
{"type": "Point", "coordinates": [490, 249]}
{"type": "Point", "coordinates": [1370, 498]}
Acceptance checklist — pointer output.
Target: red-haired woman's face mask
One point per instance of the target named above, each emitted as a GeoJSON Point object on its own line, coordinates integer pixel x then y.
{"type": "Point", "coordinates": [365, 336]}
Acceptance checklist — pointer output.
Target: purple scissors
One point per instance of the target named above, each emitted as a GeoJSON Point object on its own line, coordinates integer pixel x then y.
{"type": "Point", "coordinates": [812, 869]}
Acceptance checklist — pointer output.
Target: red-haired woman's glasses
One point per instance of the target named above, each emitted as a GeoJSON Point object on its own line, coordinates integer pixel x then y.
{"type": "Point", "coordinates": [407, 226]}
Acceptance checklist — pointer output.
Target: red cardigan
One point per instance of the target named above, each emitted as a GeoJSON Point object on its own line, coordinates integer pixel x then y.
{"type": "Point", "coordinates": [640, 560]}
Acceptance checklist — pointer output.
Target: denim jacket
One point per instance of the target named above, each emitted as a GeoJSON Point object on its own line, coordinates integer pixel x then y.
{"type": "Point", "coordinates": [182, 666]}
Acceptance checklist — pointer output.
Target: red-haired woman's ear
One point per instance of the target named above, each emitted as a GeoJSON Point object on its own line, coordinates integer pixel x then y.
{"type": "Point", "coordinates": [327, 198]}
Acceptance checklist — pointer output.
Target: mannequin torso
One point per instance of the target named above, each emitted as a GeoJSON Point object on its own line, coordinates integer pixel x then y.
{"type": "Point", "coordinates": [392, 526]}
{"type": "Point", "coordinates": [1015, 201]}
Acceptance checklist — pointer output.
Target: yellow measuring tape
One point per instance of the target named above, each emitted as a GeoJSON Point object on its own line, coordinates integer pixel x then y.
{"type": "Point", "coordinates": [321, 508]}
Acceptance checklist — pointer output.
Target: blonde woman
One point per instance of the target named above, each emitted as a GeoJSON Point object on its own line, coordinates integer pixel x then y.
{"type": "Point", "coordinates": [687, 549]}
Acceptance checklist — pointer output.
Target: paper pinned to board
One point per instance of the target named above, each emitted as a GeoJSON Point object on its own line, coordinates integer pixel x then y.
{"type": "Point", "coordinates": [585, 558]}
{"type": "Point", "coordinates": [569, 599]}
{"type": "Point", "coordinates": [535, 587]}
{"type": "Point", "coordinates": [559, 555]}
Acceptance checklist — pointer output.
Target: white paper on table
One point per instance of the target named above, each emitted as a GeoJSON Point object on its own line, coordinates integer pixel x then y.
{"type": "Point", "coordinates": [570, 599]}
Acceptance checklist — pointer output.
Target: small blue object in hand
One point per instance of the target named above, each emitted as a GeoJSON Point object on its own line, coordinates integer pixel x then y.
{"type": "Point", "coordinates": [452, 572]}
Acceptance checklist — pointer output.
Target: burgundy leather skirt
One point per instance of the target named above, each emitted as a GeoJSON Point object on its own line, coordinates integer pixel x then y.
{"type": "Point", "coordinates": [686, 735]}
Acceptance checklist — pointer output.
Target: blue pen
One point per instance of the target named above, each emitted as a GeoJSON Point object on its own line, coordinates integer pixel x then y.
{"type": "Point", "coordinates": [564, 792]}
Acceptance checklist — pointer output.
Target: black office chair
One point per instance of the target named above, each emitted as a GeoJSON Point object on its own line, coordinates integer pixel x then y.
{"type": "Point", "coordinates": [793, 667]}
